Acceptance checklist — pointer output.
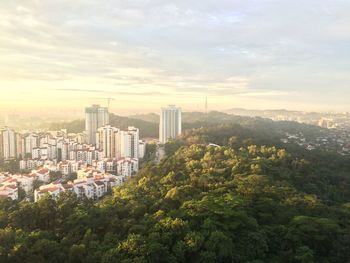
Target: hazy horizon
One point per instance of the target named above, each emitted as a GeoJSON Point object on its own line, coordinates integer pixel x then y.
{"type": "Point", "coordinates": [63, 55]}
{"type": "Point", "coordinates": [76, 114]}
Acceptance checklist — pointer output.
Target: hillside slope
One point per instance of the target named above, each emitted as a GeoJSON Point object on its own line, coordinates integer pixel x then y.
{"type": "Point", "coordinates": [201, 204]}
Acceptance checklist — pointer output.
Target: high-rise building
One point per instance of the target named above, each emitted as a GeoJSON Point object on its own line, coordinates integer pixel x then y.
{"type": "Point", "coordinates": [19, 145]}
{"type": "Point", "coordinates": [170, 123]}
{"type": "Point", "coordinates": [95, 117]}
{"type": "Point", "coordinates": [142, 149]}
{"type": "Point", "coordinates": [8, 143]}
{"type": "Point", "coordinates": [107, 141]}
{"type": "Point", "coordinates": [31, 141]}
{"type": "Point", "coordinates": [129, 143]}
{"type": "Point", "coordinates": [1, 146]}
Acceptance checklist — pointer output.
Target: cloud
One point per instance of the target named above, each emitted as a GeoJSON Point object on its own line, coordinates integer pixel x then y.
{"type": "Point", "coordinates": [238, 49]}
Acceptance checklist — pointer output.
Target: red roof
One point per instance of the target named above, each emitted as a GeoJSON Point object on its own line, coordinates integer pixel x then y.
{"type": "Point", "coordinates": [51, 189]}
{"type": "Point", "coordinates": [11, 186]}
{"type": "Point", "coordinates": [43, 171]}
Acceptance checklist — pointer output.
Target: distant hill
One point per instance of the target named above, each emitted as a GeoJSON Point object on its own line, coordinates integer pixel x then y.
{"type": "Point", "coordinates": [247, 112]}
{"type": "Point", "coordinates": [150, 117]}
{"type": "Point", "coordinates": [147, 129]}
{"type": "Point", "coordinates": [149, 123]}
{"type": "Point", "coordinates": [189, 117]}
{"type": "Point", "coordinates": [273, 113]}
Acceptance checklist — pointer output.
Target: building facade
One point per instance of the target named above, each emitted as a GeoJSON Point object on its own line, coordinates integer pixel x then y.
{"type": "Point", "coordinates": [129, 143]}
{"type": "Point", "coordinates": [107, 141]}
{"type": "Point", "coordinates": [170, 123]}
{"type": "Point", "coordinates": [9, 143]}
{"type": "Point", "coordinates": [95, 117]}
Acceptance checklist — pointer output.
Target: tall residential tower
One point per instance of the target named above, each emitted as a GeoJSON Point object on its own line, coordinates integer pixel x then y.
{"type": "Point", "coordinates": [8, 139]}
{"type": "Point", "coordinates": [95, 117]}
{"type": "Point", "coordinates": [107, 141]}
{"type": "Point", "coordinates": [170, 123]}
{"type": "Point", "coordinates": [129, 143]}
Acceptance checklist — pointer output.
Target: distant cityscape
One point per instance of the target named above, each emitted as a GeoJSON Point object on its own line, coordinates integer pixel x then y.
{"type": "Point", "coordinates": [101, 157]}
{"type": "Point", "coordinates": [335, 137]}
{"type": "Point", "coordinates": [324, 120]}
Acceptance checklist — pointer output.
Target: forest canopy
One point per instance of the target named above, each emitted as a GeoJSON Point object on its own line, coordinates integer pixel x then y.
{"type": "Point", "coordinates": [228, 203]}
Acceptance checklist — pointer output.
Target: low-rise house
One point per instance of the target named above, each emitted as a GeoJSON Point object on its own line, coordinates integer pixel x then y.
{"type": "Point", "coordinates": [53, 189]}
{"type": "Point", "coordinates": [42, 174]}
{"type": "Point", "coordinates": [9, 191]}
{"type": "Point", "coordinates": [93, 186]}
{"type": "Point", "coordinates": [127, 166]}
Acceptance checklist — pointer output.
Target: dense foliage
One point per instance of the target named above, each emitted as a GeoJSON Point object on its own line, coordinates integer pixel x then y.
{"type": "Point", "coordinates": [200, 204]}
{"type": "Point", "coordinates": [328, 173]}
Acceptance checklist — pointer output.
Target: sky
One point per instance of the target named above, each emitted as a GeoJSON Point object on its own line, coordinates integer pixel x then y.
{"type": "Point", "coordinates": [59, 56]}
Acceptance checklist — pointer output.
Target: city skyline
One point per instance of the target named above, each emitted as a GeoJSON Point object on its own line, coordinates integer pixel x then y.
{"type": "Point", "coordinates": [249, 54]}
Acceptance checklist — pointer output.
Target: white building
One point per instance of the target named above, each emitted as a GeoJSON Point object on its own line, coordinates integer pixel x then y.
{"type": "Point", "coordinates": [95, 117]}
{"type": "Point", "coordinates": [69, 167]}
{"type": "Point", "coordinates": [19, 146]}
{"type": "Point", "coordinates": [10, 191]}
{"type": "Point", "coordinates": [92, 186]}
{"type": "Point", "coordinates": [106, 165]}
{"type": "Point", "coordinates": [1, 146]}
{"type": "Point", "coordinates": [111, 166]}
{"type": "Point", "coordinates": [30, 164]}
{"type": "Point", "coordinates": [53, 189]}
{"type": "Point", "coordinates": [101, 166]}
{"type": "Point", "coordinates": [8, 143]}
{"type": "Point", "coordinates": [23, 181]}
{"type": "Point", "coordinates": [142, 149]}
{"type": "Point", "coordinates": [42, 174]}
{"type": "Point", "coordinates": [31, 142]}
{"type": "Point", "coordinates": [129, 143]}
{"type": "Point", "coordinates": [107, 141]}
{"type": "Point", "coordinates": [127, 166]}
{"type": "Point", "coordinates": [170, 123]}
{"type": "Point", "coordinates": [65, 167]}
{"type": "Point", "coordinates": [8, 186]}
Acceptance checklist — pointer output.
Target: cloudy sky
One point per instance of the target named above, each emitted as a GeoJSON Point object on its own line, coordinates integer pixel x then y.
{"type": "Point", "coordinates": [148, 53]}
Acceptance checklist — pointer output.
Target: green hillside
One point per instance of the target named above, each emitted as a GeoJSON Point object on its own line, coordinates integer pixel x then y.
{"type": "Point", "coordinates": [235, 203]}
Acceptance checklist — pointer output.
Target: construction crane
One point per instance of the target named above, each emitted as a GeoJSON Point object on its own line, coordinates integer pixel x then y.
{"type": "Point", "coordinates": [108, 101]}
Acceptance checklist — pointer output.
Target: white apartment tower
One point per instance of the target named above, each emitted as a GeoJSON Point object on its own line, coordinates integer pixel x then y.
{"type": "Point", "coordinates": [129, 143]}
{"type": "Point", "coordinates": [19, 145]}
{"type": "Point", "coordinates": [170, 123]}
{"type": "Point", "coordinates": [8, 143]}
{"type": "Point", "coordinates": [95, 117]}
{"type": "Point", "coordinates": [30, 142]}
{"type": "Point", "coordinates": [107, 141]}
{"type": "Point", "coordinates": [1, 146]}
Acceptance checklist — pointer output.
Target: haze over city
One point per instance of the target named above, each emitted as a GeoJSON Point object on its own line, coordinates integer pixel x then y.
{"type": "Point", "coordinates": [144, 54]}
